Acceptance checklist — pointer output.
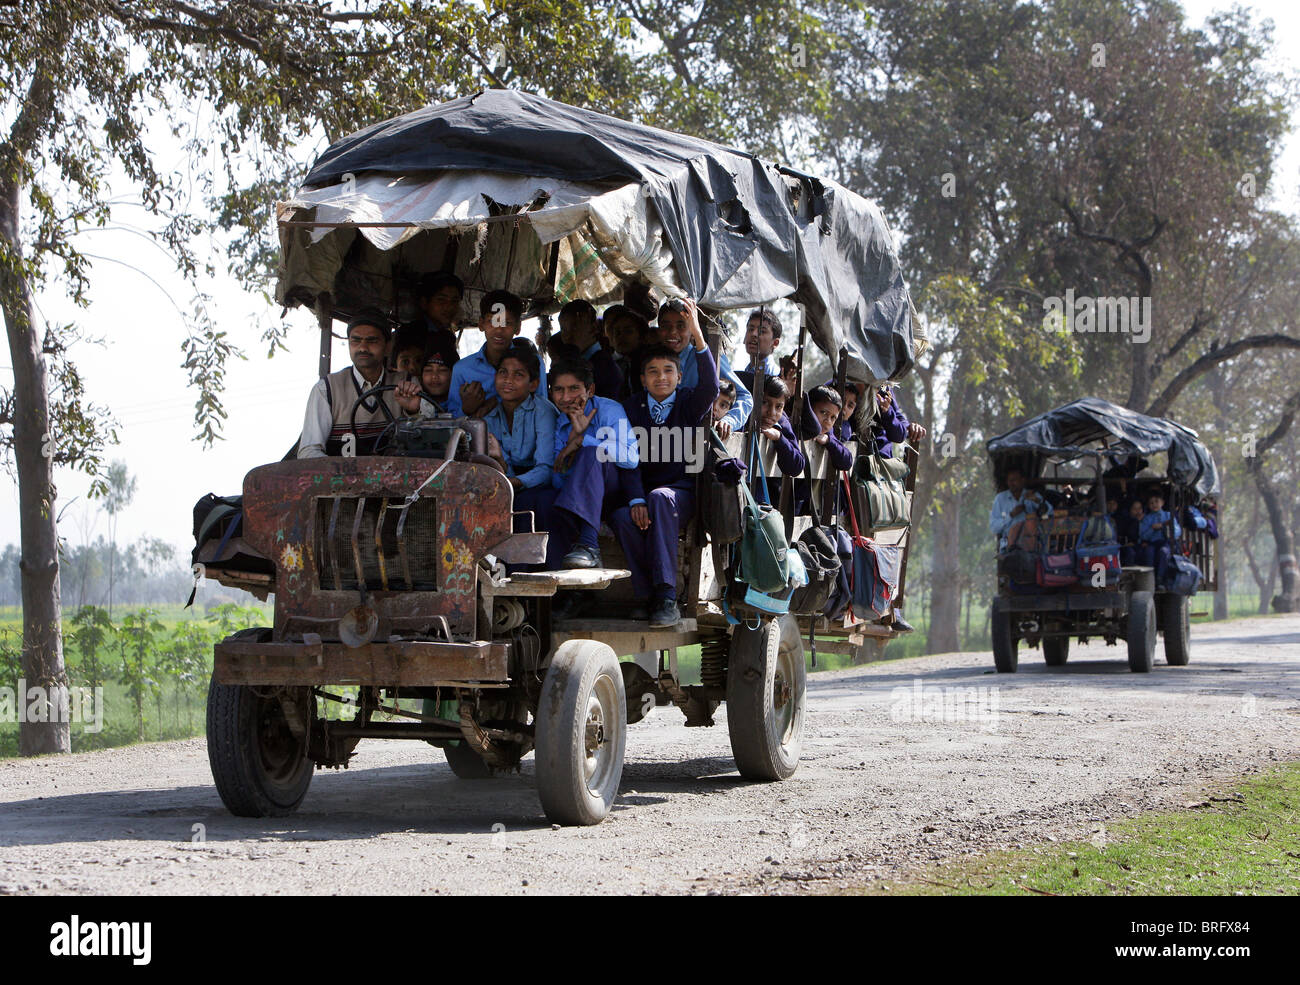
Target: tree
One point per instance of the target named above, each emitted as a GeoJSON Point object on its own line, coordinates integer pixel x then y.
{"type": "Point", "coordinates": [228, 617]}
{"type": "Point", "coordinates": [95, 85]}
{"type": "Point", "coordinates": [1158, 141]}
{"type": "Point", "coordinates": [91, 84]}
{"type": "Point", "coordinates": [188, 661]}
{"type": "Point", "coordinates": [121, 490]}
{"type": "Point", "coordinates": [93, 633]}
{"type": "Point", "coordinates": [926, 121]}
{"type": "Point", "coordinates": [1092, 145]}
{"type": "Point", "coordinates": [137, 640]}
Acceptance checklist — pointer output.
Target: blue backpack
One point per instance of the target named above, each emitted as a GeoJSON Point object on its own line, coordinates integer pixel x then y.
{"type": "Point", "coordinates": [1097, 545]}
{"type": "Point", "coordinates": [1181, 576]}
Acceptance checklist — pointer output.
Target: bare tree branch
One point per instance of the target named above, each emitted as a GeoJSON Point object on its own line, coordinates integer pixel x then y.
{"type": "Point", "coordinates": [1289, 410]}
{"type": "Point", "coordinates": [1127, 250]}
{"type": "Point", "coordinates": [1216, 355]}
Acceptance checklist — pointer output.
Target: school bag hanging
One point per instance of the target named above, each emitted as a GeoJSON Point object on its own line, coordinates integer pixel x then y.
{"type": "Point", "coordinates": [1056, 570]}
{"type": "Point", "coordinates": [884, 484]}
{"type": "Point", "coordinates": [870, 592]}
{"type": "Point", "coordinates": [764, 551]}
{"type": "Point", "coordinates": [1181, 576]}
{"type": "Point", "coordinates": [1097, 553]}
{"type": "Point", "coordinates": [1020, 567]}
{"type": "Point", "coordinates": [722, 504]}
{"type": "Point", "coordinates": [816, 547]}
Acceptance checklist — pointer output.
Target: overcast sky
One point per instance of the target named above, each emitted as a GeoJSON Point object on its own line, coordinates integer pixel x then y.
{"type": "Point", "coordinates": [137, 371]}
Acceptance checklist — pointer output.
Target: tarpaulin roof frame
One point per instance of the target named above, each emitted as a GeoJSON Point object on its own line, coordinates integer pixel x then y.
{"type": "Point", "coordinates": [1091, 424]}
{"type": "Point", "coordinates": [726, 221]}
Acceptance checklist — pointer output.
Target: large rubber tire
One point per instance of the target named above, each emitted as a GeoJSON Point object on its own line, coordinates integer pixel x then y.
{"type": "Point", "coordinates": [465, 762]}
{"type": "Point", "coordinates": [1141, 632]}
{"type": "Point", "coordinates": [766, 684]}
{"type": "Point", "coordinates": [260, 768]}
{"type": "Point", "coordinates": [581, 733]}
{"type": "Point", "coordinates": [1178, 630]}
{"type": "Point", "coordinates": [1056, 650]}
{"type": "Point", "coordinates": [1005, 657]}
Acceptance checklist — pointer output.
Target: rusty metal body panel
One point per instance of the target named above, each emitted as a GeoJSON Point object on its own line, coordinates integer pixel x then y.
{"type": "Point", "coordinates": [391, 665]}
{"type": "Point", "coordinates": [291, 511]}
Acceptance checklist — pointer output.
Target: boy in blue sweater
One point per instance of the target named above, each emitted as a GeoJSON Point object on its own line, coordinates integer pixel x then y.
{"type": "Point", "coordinates": [595, 449]}
{"type": "Point", "coordinates": [1158, 532]}
{"type": "Point", "coordinates": [521, 433]}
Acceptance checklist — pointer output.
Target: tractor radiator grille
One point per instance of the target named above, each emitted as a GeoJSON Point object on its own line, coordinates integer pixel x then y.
{"type": "Point", "coordinates": [376, 542]}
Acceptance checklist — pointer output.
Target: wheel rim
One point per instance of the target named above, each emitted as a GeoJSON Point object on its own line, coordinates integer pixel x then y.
{"type": "Point", "coordinates": [599, 740]}
{"type": "Point", "coordinates": [783, 697]}
{"type": "Point", "coordinates": [279, 752]}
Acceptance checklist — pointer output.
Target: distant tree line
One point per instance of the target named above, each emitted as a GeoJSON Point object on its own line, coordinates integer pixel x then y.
{"type": "Point", "coordinates": [150, 571]}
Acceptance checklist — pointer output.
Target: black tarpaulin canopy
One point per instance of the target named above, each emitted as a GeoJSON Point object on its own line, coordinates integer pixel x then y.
{"type": "Point", "coordinates": [601, 203]}
{"type": "Point", "coordinates": [1091, 424]}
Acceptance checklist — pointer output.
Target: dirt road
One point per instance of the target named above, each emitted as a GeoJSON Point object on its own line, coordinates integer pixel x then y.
{"type": "Point", "coordinates": [885, 782]}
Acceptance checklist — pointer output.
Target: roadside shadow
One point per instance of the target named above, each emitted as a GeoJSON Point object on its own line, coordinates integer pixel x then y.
{"type": "Point", "coordinates": [699, 775]}
{"type": "Point", "coordinates": [356, 804]}
{"type": "Point", "coordinates": [345, 805]}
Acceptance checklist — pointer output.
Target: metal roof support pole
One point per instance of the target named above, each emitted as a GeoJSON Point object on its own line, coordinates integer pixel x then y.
{"type": "Point", "coordinates": [841, 380]}
{"type": "Point", "coordinates": [754, 424]}
{"type": "Point", "coordinates": [325, 319]}
{"type": "Point", "coordinates": [796, 403]}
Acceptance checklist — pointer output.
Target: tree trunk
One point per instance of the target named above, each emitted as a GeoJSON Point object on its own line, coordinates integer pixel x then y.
{"type": "Point", "coordinates": [1221, 593]}
{"type": "Point", "coordinates": [1219, 392]}
{"type": "Point", "coordinates": [33, 456]}
{"type": "Point", "coordinates": [112, 561]}
{"type": "Point", "coordinates": [1288, 596]}
{"type": "Point", "coordinates": [945, 573]}
{"type": "Point", "coordinates": [945, 565]}
{"type": "Point", "coordinates": [1141, 382]}
{"type": "Point", "coordinates": [1263, 584]}
{"type": "Point", "coordinates": [1139, 394]}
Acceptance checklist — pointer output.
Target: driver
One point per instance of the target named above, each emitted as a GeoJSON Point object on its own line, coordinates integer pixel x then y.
{"type": "Point", "coordinates": [1015, 512]}
{"type": "Point", "coordinates": [328, 422]}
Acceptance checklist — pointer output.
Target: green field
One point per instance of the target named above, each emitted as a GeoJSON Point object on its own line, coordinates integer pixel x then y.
{"type": "Point", "coordinates": [1241, 840]}
{"type": "Point", "coordinates": [153, 666]}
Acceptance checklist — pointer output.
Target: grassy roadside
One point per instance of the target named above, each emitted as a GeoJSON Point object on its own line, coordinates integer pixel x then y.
{"type": "Point", "coordinates": [1241, 841]}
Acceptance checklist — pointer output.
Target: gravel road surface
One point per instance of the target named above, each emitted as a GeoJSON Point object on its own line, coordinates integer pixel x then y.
{"type": "Point", "coordinates": [904, 762]}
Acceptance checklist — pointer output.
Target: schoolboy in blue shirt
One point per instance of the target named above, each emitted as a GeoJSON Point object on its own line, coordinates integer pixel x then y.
{"type": "Point", "coordinates": [521, 433]}
{"type": "Point", "coordinates": [827, 408]}
{"type": "Point", "coordinates": [675, 333]}
{"type": "Point", "coordinates": [580, 328]}
{"type": "Point", "coordinates": [762, 336]}
{"type": "Point", "coordinates": [776, 430]}
{"type": "Point", "coordinates": [1158, 531]}
{"type": "Point", "coordinates": [661, 494]}
{"type": "Point", "coordinates": [473, 387]}
{"type": "Point", "coordinates": [594, 449]}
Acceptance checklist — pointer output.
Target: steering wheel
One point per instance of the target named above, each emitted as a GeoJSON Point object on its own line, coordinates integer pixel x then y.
{"type": "Point", "coordinates": [383, 406]}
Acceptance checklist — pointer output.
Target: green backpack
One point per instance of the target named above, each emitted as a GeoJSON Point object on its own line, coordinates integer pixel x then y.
{"type": "Point", "coordinates": [764, 551]}
{"type": "Point", "coordinates": [884, 482]}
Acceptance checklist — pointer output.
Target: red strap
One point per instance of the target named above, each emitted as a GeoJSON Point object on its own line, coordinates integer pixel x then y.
{"type": "Point", "coordinates": [853, 517]}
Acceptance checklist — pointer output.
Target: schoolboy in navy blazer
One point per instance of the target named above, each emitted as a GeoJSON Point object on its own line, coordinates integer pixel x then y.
{"type": "Point", "coordinates": [661, 494]}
